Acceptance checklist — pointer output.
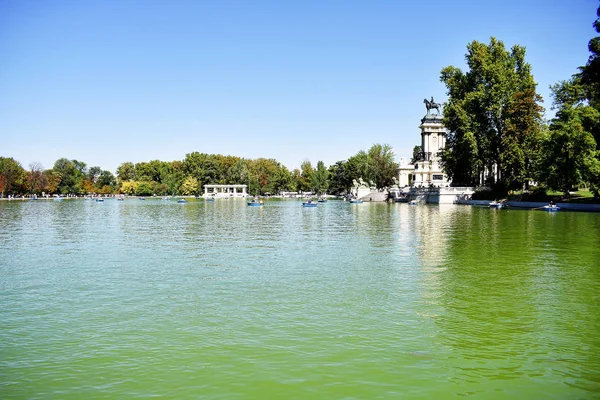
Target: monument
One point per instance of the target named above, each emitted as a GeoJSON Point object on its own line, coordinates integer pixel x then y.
{"type": "Point", "coordinates": [427, 169]}
{"type": "Point", "coordinates": [359, 188]}
{"type": "Point", "coordinates": [428, 182]}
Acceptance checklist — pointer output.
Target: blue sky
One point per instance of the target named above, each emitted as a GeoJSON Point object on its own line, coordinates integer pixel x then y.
{"type": "Point", "coordinates": [111, 81]}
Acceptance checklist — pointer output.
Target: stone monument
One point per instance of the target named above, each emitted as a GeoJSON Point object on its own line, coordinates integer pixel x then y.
{"type": "Point", "coordinates": [359, 188]}
{"type": "Point", "coordinates": [428, 182]}
{"type": "Point", "coordinates": [428, 171]}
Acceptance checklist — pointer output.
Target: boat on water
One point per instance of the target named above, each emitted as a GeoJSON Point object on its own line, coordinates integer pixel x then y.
{"type": "Point", "coordinates": [182, 201]}
{"type": "Point", "coordinates": [256, 202]}
{"type": "Point", "coordinates": [497, 204]}
{"type": "Point", "coordinates": [142, 198]}
{"type": "Point", "coordinates": [209, 199]}
{"type": "Point", "coordinates": [413, 203]}
{"type": "Point", "coordinates": [99, 200]}
{"type": "Point", "coordinates": [309, 203]}
{"type": "Point", "coordinates": [550, 208]}
{"type": "Point", "coordinates": [356, 201]}
{"type": "Point", "coordinates": [322, 199]}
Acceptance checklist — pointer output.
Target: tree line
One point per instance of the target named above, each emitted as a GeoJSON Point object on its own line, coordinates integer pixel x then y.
{"type": "Point", "coordinates": [187, 176]}
{"type": "Point", "coordinates": [497, 134]}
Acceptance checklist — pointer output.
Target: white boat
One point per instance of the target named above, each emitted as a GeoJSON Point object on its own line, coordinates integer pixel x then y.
{"type": "Point", "coordinates": [550, 208]}
{"type": "Point", "coordinates": [497, 204]}
{"type": "Point", "coordinates": [413, 203]}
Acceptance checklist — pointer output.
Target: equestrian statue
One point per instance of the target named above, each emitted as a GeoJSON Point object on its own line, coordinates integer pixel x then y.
{"type": "Point", "coordinates": [432, 104]}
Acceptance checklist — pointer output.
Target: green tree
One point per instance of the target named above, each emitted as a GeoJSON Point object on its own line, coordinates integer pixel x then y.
{"type": "Point", "coordinates": [105, 178]}
{"type": "Point", "coordinates": [12, 176]}
{"type": "Point", "coordinates": [570, 155]}
{"type": "Point", "coordinates": [128, 187]}
{"type": "Point", "coordinates": [382, 165]}
{"type": "Point", "coordinates": [304, 180]}
{"type": "Point", "coordinates": [71, 173]}
{"type": "Point", "coordinates": [482, 114]}
{"type": "Point", "coordinates": [126, 172]}
{"type": "Point", "coordinates": [583, 89]}
{"type": "Point", "coordinates": [340, 181]}
{"type": "Point", "coordinates": [520, 145]}
{"type": "Point", "coordinates": [189, 186]}
{"type": "Point", "coordinates": [144, 188]}
{"type": "Point", "coordinates": [416, 154]}
{"type": "Point", "coordinates": [93, 173]}
{"type": "Point", "coordinates": [359, 166]}
{"type": "Point", "coordinates": [320, 179]}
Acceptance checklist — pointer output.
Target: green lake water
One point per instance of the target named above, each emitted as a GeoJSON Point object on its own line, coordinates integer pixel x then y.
{"type": "Point", "coordinates": [141, 299]}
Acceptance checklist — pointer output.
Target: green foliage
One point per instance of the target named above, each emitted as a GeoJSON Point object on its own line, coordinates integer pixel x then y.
{"type": "Point", "coordinates": [71, 174]}
{"type": "Point", "coordinates": [492, 112]}
{"type": "Point", "coordinates": [570, 155]}
{"type": "Point", "coordinates": [144, 188]}
{"type": "Point", "coordinates": [128, 187]}
{"type": "Point", "coordinates": [382, 166]}
{"type": "Point", "coordinates": [93, 174]}
{"type": "Point", "coordinates": [189, 186]}
{"type": "Point", "coordinates": [12, 176]}
{"type": "Point", "coordinates": [105, 178]}
{"type": "Point", "coordinates": [126, 172]}
{"type": "Point", "coordinates": [340, 181]}
{"type": "Point", "coordinates": [416, 154]}
{"type": "Point", "coordinates": [320, 179]}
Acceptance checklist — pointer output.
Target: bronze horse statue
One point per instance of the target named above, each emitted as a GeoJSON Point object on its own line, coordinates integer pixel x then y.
{"type": "Point", "coordinates": [432, 104]}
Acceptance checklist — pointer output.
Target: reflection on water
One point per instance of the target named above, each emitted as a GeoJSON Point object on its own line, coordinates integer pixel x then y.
{"type": "Point", "coordinates": [217, 299]}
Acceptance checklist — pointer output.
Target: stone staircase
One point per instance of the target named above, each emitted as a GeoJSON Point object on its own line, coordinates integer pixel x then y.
{"type": "Point", "coordinates": [375, 196]}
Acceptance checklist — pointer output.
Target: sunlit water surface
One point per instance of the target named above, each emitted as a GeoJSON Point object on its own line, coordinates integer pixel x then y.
{"type": "Point", "coordinates": [140, 299]}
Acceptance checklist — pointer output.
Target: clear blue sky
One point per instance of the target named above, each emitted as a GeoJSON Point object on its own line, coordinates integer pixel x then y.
{"type": "Point", "coordinates": [111, 81]}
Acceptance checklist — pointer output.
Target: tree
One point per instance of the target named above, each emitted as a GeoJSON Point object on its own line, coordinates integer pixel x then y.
{"type": "Point", "coordinates": [126, 172]}
{"type": "Point", "coordinates": [589, 75]}
{"type": "Point", "coordinates": [12, 176]}
{"type": "Point", "coordinates": [383, 166]}
{"type": "Point", "coordinates": [416, 154]}
{"type": "Point", "coordinates": [358, 166]}
{"type": "Point", "coordinates": [128, 187]}
{"type": "Point", "coordinates": [189, 186]}
{"type": "Point", "coordinates": [144, 188]}
{"type": "Point", "coordinates": [320, 179]}
{"type": "Point", "coordinates": [35, 177]}
{"type": "Point", "coordinates": [486, 107]}
{"type": "Point", "coordinates": [105, 178]}
{"type": "Point", "coordinates": [304, 179]}
{"type": "Point", "coordinates": [570, 155]}
{"type": "Point", "coordinates": [93, 173]}
{"type": "Point", "coordinates": [340, 180]}
{"type": "Point", "coordinates": [521, 144]}
{"type": "Point", "coordinates": [71, 173]}
{"type": "Point", "coordinates": [52, 179]}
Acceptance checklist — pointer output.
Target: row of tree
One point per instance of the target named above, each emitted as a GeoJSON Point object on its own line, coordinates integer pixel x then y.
{"type": "Point", "coordinates": [498, 136]}
{"type": "Point", "coordinates": [66, 177]}
{"type": "Point", "coordinates": [188, 176]}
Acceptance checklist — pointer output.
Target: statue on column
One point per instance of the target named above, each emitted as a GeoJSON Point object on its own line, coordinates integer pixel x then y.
{"type": "Point", "coordinates": [430, 104]}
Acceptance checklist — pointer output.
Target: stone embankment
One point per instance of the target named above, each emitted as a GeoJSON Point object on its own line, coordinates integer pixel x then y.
{"type": "Point", "coordinates": [537, 204]}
